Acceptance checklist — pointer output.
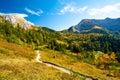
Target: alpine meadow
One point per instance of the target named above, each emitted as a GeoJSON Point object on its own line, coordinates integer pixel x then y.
{"type": "Point", "coordinates": [60, 40]}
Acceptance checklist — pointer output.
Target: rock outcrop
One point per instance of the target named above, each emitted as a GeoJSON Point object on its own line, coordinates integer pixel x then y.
{"type": "Point", "coordinates": [18, 20]}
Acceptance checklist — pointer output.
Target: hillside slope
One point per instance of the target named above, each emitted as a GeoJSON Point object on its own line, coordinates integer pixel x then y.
{"type": "Point", "coordinates": [18, 63]}
{"type": "Point", "coordinates": [69, 61]}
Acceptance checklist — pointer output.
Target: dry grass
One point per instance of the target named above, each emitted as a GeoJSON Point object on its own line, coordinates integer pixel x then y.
{"type": "Point", "coordinates": [18, 63]}
{"type": "Point", "coordinates": [73, 64]}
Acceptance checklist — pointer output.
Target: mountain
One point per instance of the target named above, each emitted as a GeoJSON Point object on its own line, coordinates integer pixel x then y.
{"type": "Point", "coordinates": [88, 24]}
{"type": "Point", "coordinates": [88, 51]}
{"type": "Point", "coordinates": [17, 19]}
{"type": "Point", "coordinates": [96, 29]}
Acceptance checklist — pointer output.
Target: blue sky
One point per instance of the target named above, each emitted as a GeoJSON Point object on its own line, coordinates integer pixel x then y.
{"type": "Point", "coordinates": [61, 14]}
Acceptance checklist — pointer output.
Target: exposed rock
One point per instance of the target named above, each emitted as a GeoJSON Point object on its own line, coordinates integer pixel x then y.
{"type": "Point", "coordinates": [88, 24]}
{"type": "Point", "coordinates": [18, 19]}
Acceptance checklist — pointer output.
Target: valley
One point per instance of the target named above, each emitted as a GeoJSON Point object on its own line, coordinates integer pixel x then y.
{"type": "Point", "coordinates": [64, 55]}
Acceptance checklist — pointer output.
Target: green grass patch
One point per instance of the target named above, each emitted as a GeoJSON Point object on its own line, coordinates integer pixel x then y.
{"type": "Point", "coordinates": [4, 51]}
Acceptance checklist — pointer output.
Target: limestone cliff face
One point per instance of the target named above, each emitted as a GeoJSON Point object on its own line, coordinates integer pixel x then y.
{"type": "Point", "coordinates": [16, 19]}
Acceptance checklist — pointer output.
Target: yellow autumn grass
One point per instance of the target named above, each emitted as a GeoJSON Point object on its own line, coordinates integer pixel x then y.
{"type": "Point", "coordinates": [18, 63]}
{"type": "Point", "coordinates": [74, 64]}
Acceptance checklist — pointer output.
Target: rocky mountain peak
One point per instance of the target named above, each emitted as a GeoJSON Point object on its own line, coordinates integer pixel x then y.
{"type": "Point", "coordinates": [16, 19]}
{"type": "Point", "coordinates": [88, 24]}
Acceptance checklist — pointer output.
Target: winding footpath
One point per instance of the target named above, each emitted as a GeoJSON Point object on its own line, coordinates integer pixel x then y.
{"type": "Point", "coordinates": [38, 59]}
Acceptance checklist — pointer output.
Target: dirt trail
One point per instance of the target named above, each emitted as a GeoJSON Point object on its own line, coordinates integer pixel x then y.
{"type": "Point", "coordinates": [38, 59]}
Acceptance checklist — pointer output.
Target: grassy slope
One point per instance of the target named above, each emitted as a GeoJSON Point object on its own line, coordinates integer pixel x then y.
{"type": "Point", "coordinates": [73, 64]}
{"type": "Point", "coordinates": [18, 63]}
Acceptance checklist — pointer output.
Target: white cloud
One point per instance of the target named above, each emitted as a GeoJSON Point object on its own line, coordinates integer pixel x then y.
{"type": "Point", "coordinates": [17, 14]}
{"type": "Point", "coordinates": [67, 8]}
{"type": "Point", "coordinates": [38, 13]}
{"type": "Point", "coordinates": [73, 9]}
{"type": "Point", "coordinates": [108, 11]}
{"type": "Point", "coordinates": [112, 11]}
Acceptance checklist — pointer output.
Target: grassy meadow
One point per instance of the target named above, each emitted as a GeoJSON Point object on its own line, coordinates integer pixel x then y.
{"type": "Point", "coordinates": [18, 63]}
{"type": "Point", "coordinates": [71, 62]}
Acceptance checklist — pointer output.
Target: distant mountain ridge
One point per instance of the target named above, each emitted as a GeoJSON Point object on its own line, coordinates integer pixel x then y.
{"type": "Point", "coordinates": [16, 19]}
{"type": "Point", "coordinates": [84, 26]}
{"type": "Point", "coordinates": [88, 24]}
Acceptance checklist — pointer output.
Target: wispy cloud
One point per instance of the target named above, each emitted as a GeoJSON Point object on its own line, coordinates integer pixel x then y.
{"type": "Point", "coordinates": [112, 11]}
{"type": "Point", "coordinates": [15, 14]}
{"type": "Point", "coordinates": [72, 9]}
{"type": "Point", "coordinates": [106, 10]}
{"type": "Point", "coordinates": [38, 13]}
